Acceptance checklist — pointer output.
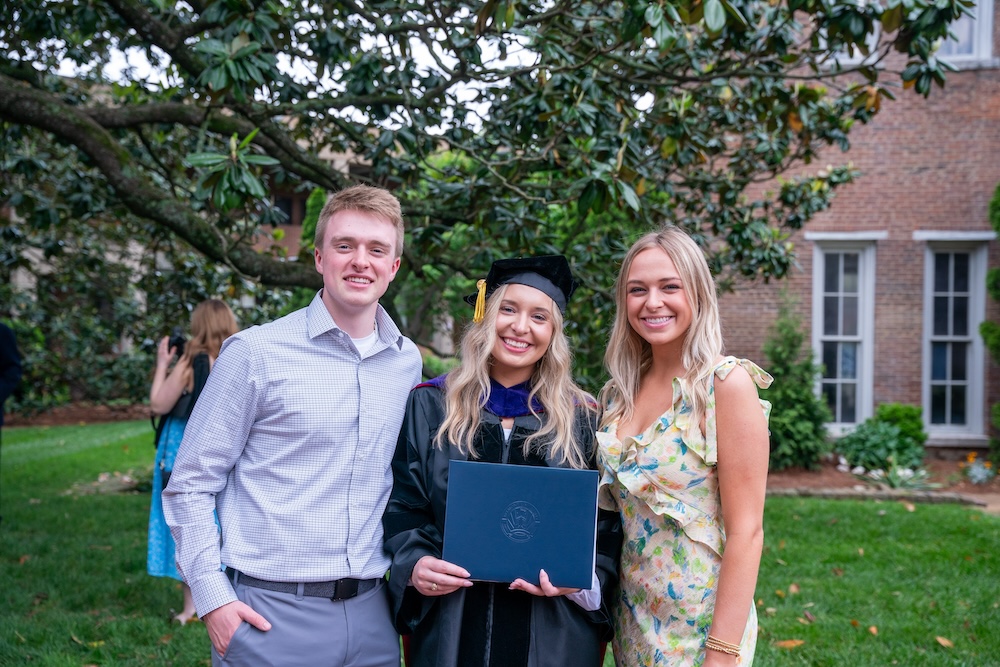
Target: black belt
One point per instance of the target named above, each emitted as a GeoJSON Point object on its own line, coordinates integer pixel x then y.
{"type": "Point", "coordinates": [340, 589]}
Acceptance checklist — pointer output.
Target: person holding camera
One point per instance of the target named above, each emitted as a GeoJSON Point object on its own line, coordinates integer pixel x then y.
{"type": "Point", "coordinates": [172, 398]}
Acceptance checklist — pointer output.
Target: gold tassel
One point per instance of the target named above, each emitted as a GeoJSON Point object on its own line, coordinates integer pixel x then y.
{"type": "Point", "coordinates": [480, 312]}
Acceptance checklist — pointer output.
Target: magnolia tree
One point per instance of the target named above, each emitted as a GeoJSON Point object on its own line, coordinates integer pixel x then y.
{"type": "Point", "coordinates": [504, 127]}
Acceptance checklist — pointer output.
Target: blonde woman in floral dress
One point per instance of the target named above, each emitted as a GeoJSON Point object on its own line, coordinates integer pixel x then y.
{"type": "Point", "coordinates": [683, 450]}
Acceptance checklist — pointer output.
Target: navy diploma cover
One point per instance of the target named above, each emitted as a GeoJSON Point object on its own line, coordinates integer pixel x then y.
{"type": "Point", "coordinates": [506, 522]}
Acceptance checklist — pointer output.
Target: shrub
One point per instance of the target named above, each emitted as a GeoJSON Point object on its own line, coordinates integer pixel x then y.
{"type": "Point", "coordinates": [798, 416]}
{"type": "Point", "coordinates": [909, 419]}
{"type": "Point", "coordinates": [879, 445]}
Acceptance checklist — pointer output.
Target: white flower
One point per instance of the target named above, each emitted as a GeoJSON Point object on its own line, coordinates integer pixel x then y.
{"type": "Point", "coordinates": [858, 470]}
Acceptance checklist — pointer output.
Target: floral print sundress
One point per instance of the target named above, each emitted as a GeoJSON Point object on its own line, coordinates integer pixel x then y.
{"type": "Point", "coordinates": [663, 482]}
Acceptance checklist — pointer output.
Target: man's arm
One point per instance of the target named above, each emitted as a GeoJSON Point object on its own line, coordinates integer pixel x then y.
{"type": "Point", "coordinates": [214, 439]}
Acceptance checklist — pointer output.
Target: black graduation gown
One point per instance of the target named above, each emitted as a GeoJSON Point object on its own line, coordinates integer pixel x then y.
{"type": "Point", "coordinates": [561, 633]}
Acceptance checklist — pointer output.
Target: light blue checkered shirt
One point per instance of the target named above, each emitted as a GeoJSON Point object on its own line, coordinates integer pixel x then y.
{"type": "Point", "coordinates": [292, 442]}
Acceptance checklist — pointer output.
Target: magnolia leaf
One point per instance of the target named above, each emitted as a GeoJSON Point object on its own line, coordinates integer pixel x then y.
{"type": "Point", "coordinates": [873, 629]}
{"type": "Point", "coordinates": [943, 641]}
{"type": "Point", "coordinates": [715, 15]}
{"type": "Point", "coordinates": [789, 643]}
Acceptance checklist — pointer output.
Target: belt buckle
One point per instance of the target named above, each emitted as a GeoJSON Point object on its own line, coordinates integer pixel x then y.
{"type": "Point", "coordinates": [344, 589]}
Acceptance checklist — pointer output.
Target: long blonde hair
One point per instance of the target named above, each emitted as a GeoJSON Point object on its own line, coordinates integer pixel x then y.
{"type": "Point", "coordinates": [468, 388]}
{"type": "Point", "coordinates": [629, 356]}
{"type": "Point", "coordinates": [212, 322]}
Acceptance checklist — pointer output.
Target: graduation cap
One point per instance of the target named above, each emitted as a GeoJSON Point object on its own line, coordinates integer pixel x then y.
{"type": "Point", "coordinates": [548, 273]}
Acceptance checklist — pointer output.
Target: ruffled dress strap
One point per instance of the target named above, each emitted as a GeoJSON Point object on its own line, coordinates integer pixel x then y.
{"type": "Point", "coordinates": [708, 446]}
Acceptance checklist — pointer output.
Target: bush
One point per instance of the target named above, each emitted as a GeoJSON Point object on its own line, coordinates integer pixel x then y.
{"type": "Point", "coordinates": [909, 419]}
{"type": "Point", "coordinates": [798, 416]}
{"type": "Point", "coordinates": [879, 445]}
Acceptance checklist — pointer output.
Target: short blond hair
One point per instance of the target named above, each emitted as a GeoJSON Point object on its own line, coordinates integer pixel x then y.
{"type": "Point", "coordinates": [367, 199]}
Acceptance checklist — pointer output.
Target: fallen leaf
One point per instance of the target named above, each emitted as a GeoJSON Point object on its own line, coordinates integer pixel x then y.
{"type": "Point", "coordinates": [780, 562]}
{"type": "Point", "coordinates": [861, 552]}
{"type": "Point", "coordinates": [809, 616]}
{"type": "Point", "coordinates": [20, 636]}
{"type": "Point", "coordinates": [947, 643]}
{"type": "Point", "coordinates": [837, 572]}
{"type": "Point", "coordinates": [793, 589]}
{"type": "Point", "coordinates": [789, 643]}
{"type": "Point", "coordinates": [73, 637]}
{"type": "Point", "coordinates": [854, 623]}
{"type": "Point", "coordinates": [23, 559]}
{"type": "Point", "coordinates": [833, 521]}
{"type": "Point", "coordinates": [96, 644]}
{"type": "Point", "coordinates": [872, 629]}
{"type": "Point", "coordinates": [781, 544]}
{"type": "Point", "coordinates": [780, 593]}
{"type": "Point", "coordinates": [881, 512]}
{"type": "Point", "coordinates": [809, 604]}
{"type": "Point", "coordinates": [802, 621]}
{"type": "Point", "coordinates": [770, 611]}
{"type": "Point", "coordinates": [165, 639]}
{"type": "Point", "coordinates": [910, 507]}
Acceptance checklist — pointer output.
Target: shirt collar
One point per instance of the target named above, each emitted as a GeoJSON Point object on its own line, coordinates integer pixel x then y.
{"type": "Point", "coordinates": [319, 322]}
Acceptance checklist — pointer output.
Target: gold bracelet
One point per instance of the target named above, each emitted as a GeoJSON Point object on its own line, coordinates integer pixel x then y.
{"type": "Point", "coordinates": [716, 644]}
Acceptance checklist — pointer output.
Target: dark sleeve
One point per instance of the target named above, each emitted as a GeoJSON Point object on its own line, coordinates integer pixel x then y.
{"type": "Point", "coordinates": [411, 527]}
{"type": "Point", "coordinates": [609, 535]}
{"type": "Point", "coordinates": [10, 363]}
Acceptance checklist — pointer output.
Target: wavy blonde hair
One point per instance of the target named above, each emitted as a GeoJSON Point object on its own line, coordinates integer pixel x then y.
{"type": "Point", "coordinates": [629, 356]}
{"type": "Point", "coordinates": [212, 322]}
{"type": "Point", "coordinates": [467, 389]}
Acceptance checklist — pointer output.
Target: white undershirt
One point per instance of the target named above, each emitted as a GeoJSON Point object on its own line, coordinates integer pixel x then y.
{"type": "Point", "coordinates": [366, 343]}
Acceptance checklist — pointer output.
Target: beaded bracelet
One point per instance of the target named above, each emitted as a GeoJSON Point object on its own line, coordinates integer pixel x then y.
{"type": "Point", "coordinates": [716, 644]}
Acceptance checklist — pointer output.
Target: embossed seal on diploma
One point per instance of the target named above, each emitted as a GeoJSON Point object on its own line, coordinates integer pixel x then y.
{"type": "Point", "coordinates": [519, 521]}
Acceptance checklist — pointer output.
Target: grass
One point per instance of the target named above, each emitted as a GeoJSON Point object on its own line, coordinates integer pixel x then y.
{"type": "Point", "coordinates": [857, 583]}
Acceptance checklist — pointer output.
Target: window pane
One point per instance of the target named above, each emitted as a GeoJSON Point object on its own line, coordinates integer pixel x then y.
{"type": "Point", "coordinates": [850, 316]}
{"type": "Point", "coordinates": [964, 40]}
{"type": "Point", "coordinates": [831, 279]}
{"type": "Point", "coordinates": [941, 316]}
{"type": "Point", "coordinates": [941, 273]}
{"type": "Point", "coordinates": [848, 410]}
{"type": "Point", "coordinates": [961, 272]}
{"type": "Point", "coordinates": [849, 360]}
{"type": "Point", "coordinates": [939, 361]}
{"type": "Point", "coordinates": [960, 315]}
{"type": "Point", "coordinates": [831, 315]}
{"type": "Point", "coordinates": [959, 361]}
{"type": "Point", "coordinates": [830, 394]}
{"type": "Point", "coordinates": [851, 273]}
{"type": "Point", "coordinates": [829, 360]}
{"type": "Point", "coordinates": [958, 405]}
{"type": "Point", "coordinates": [937, 404]}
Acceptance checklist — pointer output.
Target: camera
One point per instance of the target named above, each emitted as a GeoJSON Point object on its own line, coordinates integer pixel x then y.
{"type": "Point", "coordinates": [177, 340]}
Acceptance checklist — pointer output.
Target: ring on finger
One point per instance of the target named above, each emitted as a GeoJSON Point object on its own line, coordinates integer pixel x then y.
{"type": "Point", "coordinates": [434, 586]}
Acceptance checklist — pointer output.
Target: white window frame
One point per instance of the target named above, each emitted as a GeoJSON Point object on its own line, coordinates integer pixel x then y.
{"type": "Point", "coordinates": [982, 40]}
{"type": "Point", "coordinates": [864, 245]}
{"type": "Point", "coordinates": [973, 433]}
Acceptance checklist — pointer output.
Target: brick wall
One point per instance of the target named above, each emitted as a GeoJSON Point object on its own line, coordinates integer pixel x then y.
{"type": "Point", "coordinates": [927, 165]}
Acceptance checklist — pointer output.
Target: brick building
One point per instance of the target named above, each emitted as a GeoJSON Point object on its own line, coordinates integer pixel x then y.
{"type": "Point", "coordinates": [891, 282]}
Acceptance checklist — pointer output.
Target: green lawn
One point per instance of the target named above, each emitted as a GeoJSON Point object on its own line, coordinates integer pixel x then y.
{"type": "Point", "coordinates": [73, 587]}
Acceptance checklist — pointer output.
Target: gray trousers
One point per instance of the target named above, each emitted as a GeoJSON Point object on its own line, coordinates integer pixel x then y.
{"type": "Point", "coordinates": [310, 631]}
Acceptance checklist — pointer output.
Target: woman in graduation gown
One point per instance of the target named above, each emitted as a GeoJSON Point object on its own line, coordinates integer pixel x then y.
{"type": "Point", "coordinates": [511, 401]}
